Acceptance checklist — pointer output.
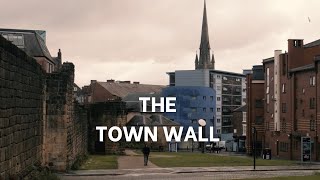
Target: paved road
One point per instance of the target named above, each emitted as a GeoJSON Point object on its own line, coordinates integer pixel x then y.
{"type": "Point", "coordinates": [195, 175]}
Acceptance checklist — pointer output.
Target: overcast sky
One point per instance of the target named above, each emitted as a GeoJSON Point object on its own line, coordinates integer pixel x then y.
{"type": "Point", "coordinates": [141, 40]}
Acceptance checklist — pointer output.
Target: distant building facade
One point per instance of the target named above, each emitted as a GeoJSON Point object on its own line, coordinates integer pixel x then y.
{"type": "Point", "coordinates": [255, 108]}
{"type": "Point", "coordinates": [239, 123]}
{"type": "Point", "coordinates": [290, 90]}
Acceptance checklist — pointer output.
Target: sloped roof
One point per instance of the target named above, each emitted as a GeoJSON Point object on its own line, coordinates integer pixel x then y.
{"type": "Point", "coordinates": [34, 44]}
{"type": "Point", "coordinates": [123, 89]}
{"type": "Point", "coordinates": [311, 44]}
{"type": "Point", "coordinates": [303, 68]}
{"type": "Point", "coordinates": [141, 120]}
{"type": "Point", "coordinates": [156, 118]}
{"type": "Point", "coordinates": [153, 120]}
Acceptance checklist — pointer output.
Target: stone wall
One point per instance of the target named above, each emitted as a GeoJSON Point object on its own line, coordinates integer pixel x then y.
{"type": "Point", "coordinates": [65, 129]}
{"type": "Point", "coordinates": [21, 97]}
{"type": "Point", "coordinates": [40, 122]}
{"type": "Point", "coordinates": [106, 114]}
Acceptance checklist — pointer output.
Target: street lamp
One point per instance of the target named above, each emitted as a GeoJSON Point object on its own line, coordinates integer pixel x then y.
{"type": "Point", "coordinates": [202, 123]}
{"type": "Point", "coordinates": [254, 133]}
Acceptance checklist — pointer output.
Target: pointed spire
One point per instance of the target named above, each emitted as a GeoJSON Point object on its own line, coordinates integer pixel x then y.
{"type": "Point", "coordinates": [205, 61]}
{"type": "Point", "coordinates": [197, 59]}
{"type": "Point", "coordinates": [205, 32]}
{"type": "Point", "coordinates": [213, 62]}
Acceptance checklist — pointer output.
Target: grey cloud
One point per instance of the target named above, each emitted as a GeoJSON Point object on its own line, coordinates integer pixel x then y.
{"type": "Point", "coordinates": [166, 32]}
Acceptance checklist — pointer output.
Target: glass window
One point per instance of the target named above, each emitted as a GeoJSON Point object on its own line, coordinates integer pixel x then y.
{"type": "Point", "coordinates": [244, 129]}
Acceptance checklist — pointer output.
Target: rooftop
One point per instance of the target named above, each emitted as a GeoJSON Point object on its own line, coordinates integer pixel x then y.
{"type": "Point", "coordinates": [312, 44]}
{"type": "Point", "coordinates": [303, 68]}
{"type": "Point", "coordinates": [124, 89]}
{"type": "Point", "coordinates": [33, 42]}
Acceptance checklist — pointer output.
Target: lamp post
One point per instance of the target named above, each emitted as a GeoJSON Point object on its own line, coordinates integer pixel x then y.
{"type": "Point", "coordinates": [202, 123]}
{"type": "Point", "coordinates": [254, 132]}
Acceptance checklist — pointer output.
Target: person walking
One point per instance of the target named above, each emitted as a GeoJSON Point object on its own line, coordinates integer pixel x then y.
{"type": "Point", "coordinates": [146, 152]}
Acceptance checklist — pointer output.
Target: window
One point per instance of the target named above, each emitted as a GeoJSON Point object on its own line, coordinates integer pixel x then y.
{"type": "Point", "coordinates": [268, 77]}
{"type": "Point", "coordinates": [218, 109]}
{"type": "Point", "coordinates": [218, 131]}
{"type": "Point", "coordinates": [244, 129]}
{"type": "Point", "coordinates": [297, 43]}
{"type": "Point", "coordinates": [218, 99]}
{"type": "Point", "coordinates": [16, 39]}
{"type": "Point", "coordinates": [218, 76]}
{"type": "Point", "coordinates": [244, 116]}
{"type": "Point", "coordinates": [211, 109]}
{"type": "Point", "coordinates": [204, 109]}
{"type": "Point", "coordinates": [218, 120]}
{"type": "Point", "coordinates": [211, 98]}
{"type": "Point", "coordinates": [312, 80]}
{"type": "Point", "coordinates": [283, 88]}
{"type": "Point", "coordinates": [194, 109]}
{"type": "Point", "coordinates": [218, 88]}
{"type": "Point", "coordinates": [312, 103]}
{"type": "Point", "coordinates": [204, 98]}
{"type": "Point", "coordinates": [193, 97]}
{"type": "Point", "coordinates": [193, 121]}
{"type": "Point", "coordinates": [302, 113]}
{"type": "Point", "coordinates": [238, 79]}
{"type": "Point", "coordinates": [284, 107]}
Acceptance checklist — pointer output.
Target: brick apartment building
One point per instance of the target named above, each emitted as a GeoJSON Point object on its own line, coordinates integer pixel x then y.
{"type": "Point", "coordinates": [290, 109]}
{"type": "Point", "coordinates": [255, 108]}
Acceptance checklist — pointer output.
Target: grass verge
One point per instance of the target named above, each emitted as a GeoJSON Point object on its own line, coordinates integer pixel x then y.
{"type": "Point", "coordinates": [185, 159]}
{"type": "Point", "coordinates": [100, 162]}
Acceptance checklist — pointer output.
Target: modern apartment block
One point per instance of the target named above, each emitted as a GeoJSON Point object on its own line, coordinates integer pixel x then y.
{"type": "Point", "coordinates": [290, 90]}
{"type": "Point", "coordinates": [230, 89]}
{"type": "Point", "coordinates": [229, 86]}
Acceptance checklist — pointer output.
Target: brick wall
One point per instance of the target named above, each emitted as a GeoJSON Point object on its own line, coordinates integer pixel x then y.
{"type": "Point", "coordinates": [21, 96]}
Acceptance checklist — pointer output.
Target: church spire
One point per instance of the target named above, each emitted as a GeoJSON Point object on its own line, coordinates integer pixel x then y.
{"type": "Point", "coordinates": [204, 32]}
{"type": "Point", "coordinates": [205, 61]}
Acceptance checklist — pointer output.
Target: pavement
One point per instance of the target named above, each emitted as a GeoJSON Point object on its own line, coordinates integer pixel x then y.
{"type": "Point", "coordinates": [131, 167]}
{"type": "Point", "coordinates": [133, 161]}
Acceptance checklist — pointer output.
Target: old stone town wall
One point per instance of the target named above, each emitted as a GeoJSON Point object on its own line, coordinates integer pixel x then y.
{"type": "Point", "coordinates": [40, 124]}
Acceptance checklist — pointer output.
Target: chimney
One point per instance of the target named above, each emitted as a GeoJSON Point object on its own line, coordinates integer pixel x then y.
{"type": "Point", "coordinates": [136, 82]}
{"type": "Point", "coordinates": [110, 81]}
{"type": "Point", "coordinates": [93, 81]}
